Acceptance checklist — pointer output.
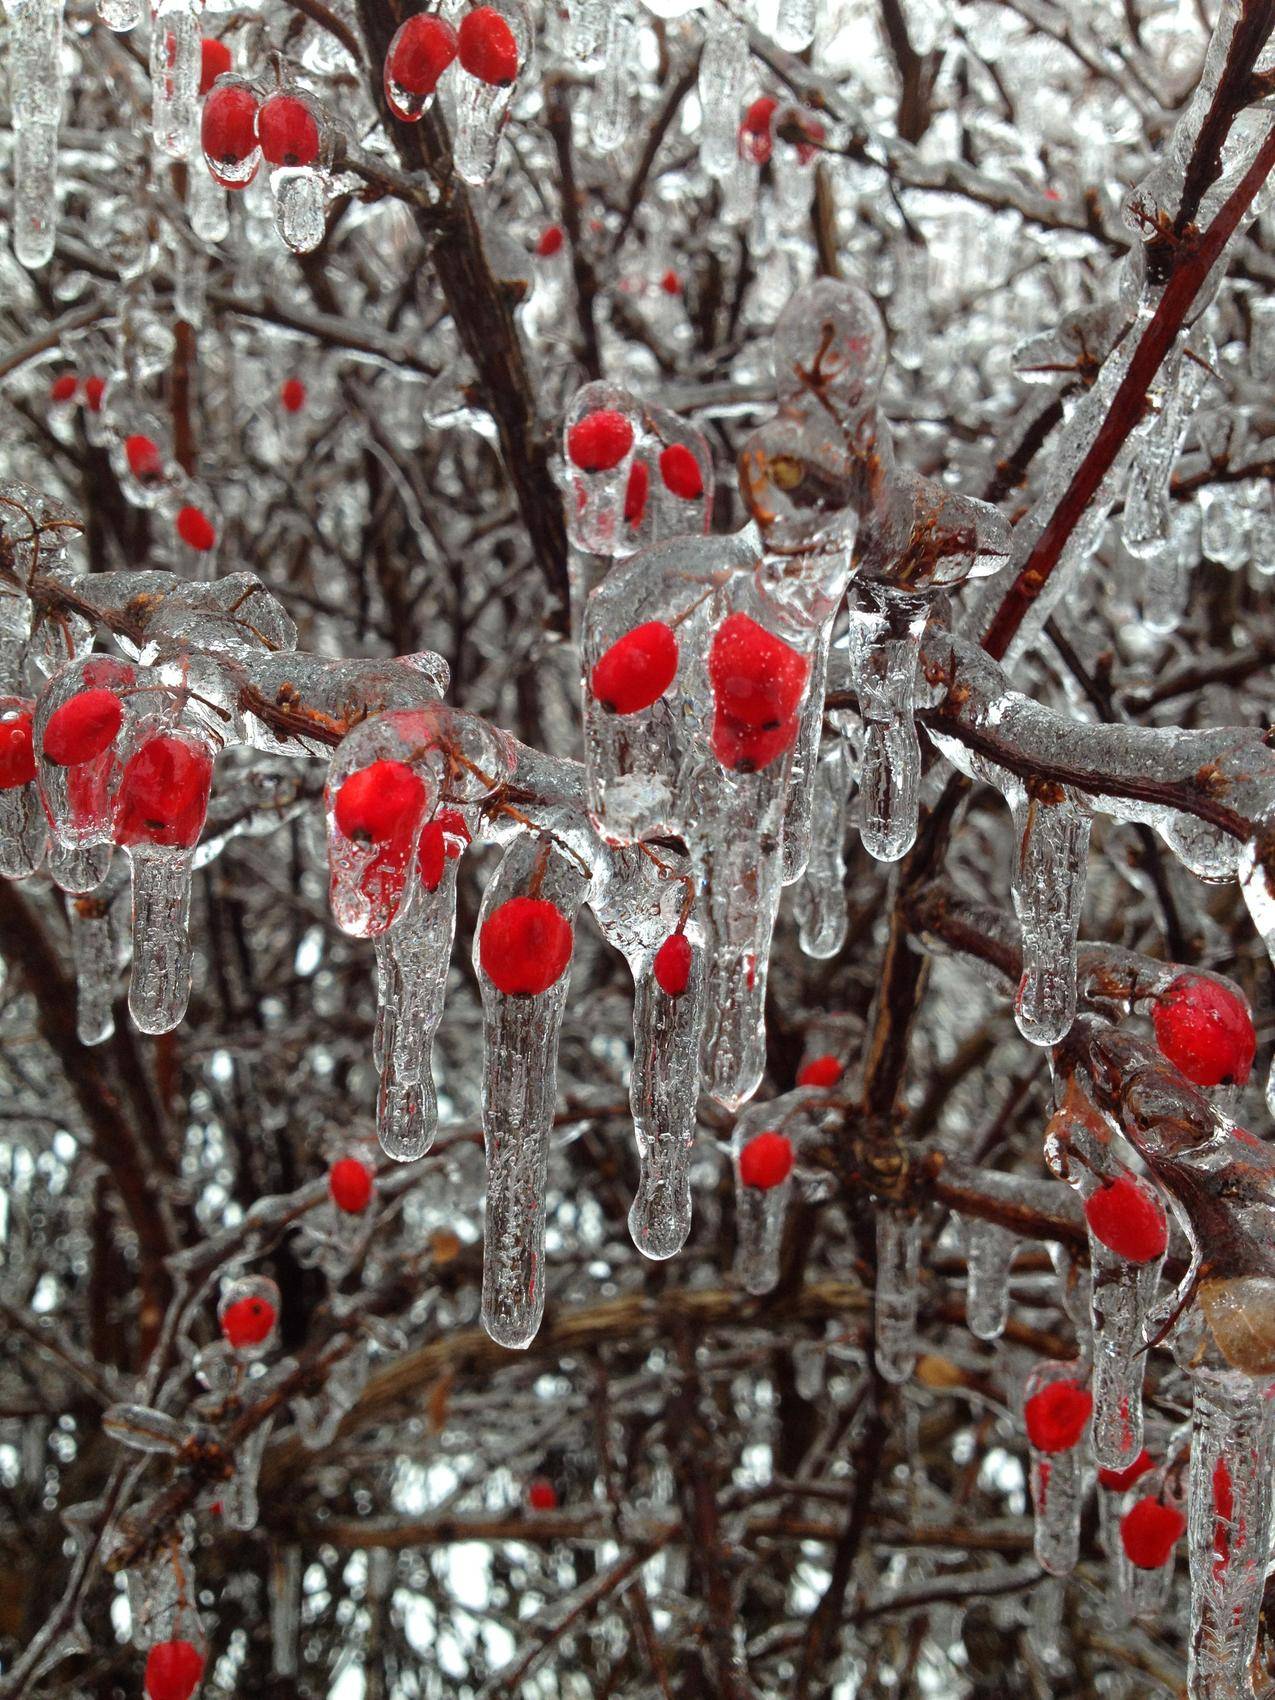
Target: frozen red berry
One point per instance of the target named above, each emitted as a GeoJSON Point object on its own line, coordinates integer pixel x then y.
{"type": "Point", "coordinates": [672, 965]}
{"type": "Point", "coordinates": [488, 47]}
{"type": "Point", "coordinates": [292, 395]}
{"type": "Point", "coordinates": [443, 837]}
{"type": "Point", "coordinates": [377, 802]}
{"type": "Point", "coordinates": [144, 459]}
{"type": "Point", "coordinates": [743, 749]}
{"type": "Point", "coordinates": [173, 1670]}
{"type": "Point", "coordinates": [1205, 1030]}
{"type": "Point", "coordinates": [248, 1321]}
{"type": "Point", "coordinates": [757, 678]}
{"type": "Point", "coordinates": [1149, 1531]}
{"type": "Point", "coordinates": [635, 493]}
{"type": "Point", "coordinates": [1129, 1219]}
{"type": "Point", "coordinates": [288, 131]}
{"type": "Point", "coordinates": [350, 1184]}
{"type": "Point", "coordinates": [681, 474]}
{"type": "Point", "coordinates": [214, 59]}
{"type": "Point", "coordinates": [671, 284]}
{"type": "Point", "coordinates": [163, 795]}
{"type": "Point", "coordinates": [599, 441]}
{"type": "Point", "coordinates": [637, 669]}
{"type": "Point", "coordinates": [228, 133]}
{"type": "Point", "coordinates": [550, 241]}
{"type": "Point", "coordinates": [525, 946]}
{"type": "Point", "coordinates": [766, 1160]}
{"type": "Point", "coordinates": [542, 1495]}
{"type": "Point", "coordinates": [755, 141]}
{"type": "Point", "coordinates": [83, 727]}
{"type": "Point", "coordinates": [196, 529]}
{"type": "Point", "coordinates": [420, 52]}
{"type": "Point", "coordinates": [1120, 1481]}
{"type": "Point", "coordinates": [63, 389]}
{"type": "Point", "coordinates": [17, 752]}
{"type": "Point", "coordinates": [821, 1071]}
{"type": "Point", "coordinates": [94, 389]}
{"type": "Point", "coordinates": [1056, 1416]}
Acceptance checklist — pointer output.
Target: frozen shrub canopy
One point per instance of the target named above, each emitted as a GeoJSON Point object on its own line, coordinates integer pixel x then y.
{"type": "Point", "coordinates": [638, 826]}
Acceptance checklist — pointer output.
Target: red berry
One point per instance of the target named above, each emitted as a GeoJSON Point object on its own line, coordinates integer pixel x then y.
{"type": "Point", "coordinates": [228, 130]}
{"type": "Point", "coordinates": [164, 793]}
{"type": "Point", "coordinates": [438, 842]}
{"type": "Point", "coordinates": [288, 131]}
{"type": "Point", "coordinates": [1120, 1481]}
{"type": "Point", "coordinates": [1223, 1491]}
{"type": "Point", "coordinates": [755, 141]}
{"type": "Point", "coordinates": [247, 1322]}
{"type": "Point", "coordinates": [1128, 1219]}
{"type": "Point", "coordinates": [1149, 1531]}
{"type": "Point", "coordinates": [815, 135]}
{"type": "Point", "coordinates": [292, 395]}
{"type": "Point", "coordinates": [635, 493]}
{"type": "Point", "coordinates": [1056, 1416]}
{"type": "Point", "coordinates": [195, 528]}
{"type": "Point", "coordinates": [17, 752]}
{"type": "Point", "coordinates": [542, 1495]}
{"type": "Point", "coordinates": [84, 726]}
{"type": "Point", "coordinates": [671, 284]}
{"type": "Point", "coordinates": [821, 1071]}
{"type": "Point", "coordinates": [680, 471]}
{"type": "Point", "coordinates": [144, 459]}
{"type": "Point", "coordinates": [766, 1160]}
{"type": "Point", "coordinates": [672, 965]}
{"type": "Point", "coordinates": [757, 678]}
{"type": "Point", "coordinates": [488, 49]}
{"type": "Point", "coordinates": [599, 441]}
{"type": "Point", "coordinates": [550, 241]}
{"type": "Point", "coordinates": [173, 1670]}
{"type": "Point", "coordinates": [214, 58]}
{"type": "Point", "coordinates": [420, 52]}
{"type": "Point", "coordinates": [63, 389]}
{"type": "Point", "coordinates": [377, 802]}
{"type": "Point", "coordinates": [350, 1183]}
{"type": "Point", "coordinates": [1205, 1030]}
{"type": "Point", "coordinates": [743, 750]}
{"type": "Point", "coordinates": [94, 389]}
{"type": "Point", "coordinates": [525, 946]}
{"type": "Point", "coordinates": [637, 669]}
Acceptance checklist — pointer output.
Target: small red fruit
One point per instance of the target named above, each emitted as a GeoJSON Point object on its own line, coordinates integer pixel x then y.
{"type": "Point", "coordinates": [599, 441]}
{"type": "Point", "coordinates": [681, 474]}
{"type": "Point", "coordinates": [17, 752]}
{"type": "Point", "coordinates": [744, 750]}
{"type": "Point", "coordinates": [756, 677]}
{"type": "Point", "coordinates": [350, 1183]}
{"type": "Point", "coordinates": [636, 492]}
{"type": "Point", "coordinates": [488, 48]}
{"type": "Point", "coordinates": [550, 241]}
{"type": "Point", "coordinates": [288, 131]}
{"type": "Point", "coordinates": [94, 389]}
{"type": "Point", "coordinates": [144, 459]}
{"type": "Point", "coordinates": [420, 52]}
{"type": "Point", "coordinates": [441, 838]}
{"type": "Point", "coordinates": [1056, 1416]}
{"type": "Point", "coordinates": [247, 1322]}
{"type": "Point", "coordinates": [766, 1160]}
{"type": "Point", "coordinates": [672, 965]}
{"type": "Point", "coordinates": [292, 395]}
{"type": "Point", "coordinates": [228, 131]}
{"type": "Point", "coordinates": [173, 1670]}
{"type": "Point", "coordinates": [755, 141]}
{"type": "Point", "coordinates": [525, 946]}
{"type": "Point", "coordinates": [164, 793]}
{"type": "Point", "coordinates": [1205, 1030]}
{"type": "Point", "coordinates": [378, 801]}
{"type": "Point", "coordinates": [821, 1071]}
{"type": "Point", "coordinates": [1129, 1219]}
{"type": "Point", "coordinates": [1120, 1481]}
{"type": "Point", "coordinates": [196, 529]}
{"type": "Point", "coordinates": [671, 284]}
{"type": "Point", "coordinates": [637, 669]}
{"type": "Point", "coordinates": [63, 389]}
{"type": "Point", "coordinates": [1149, 1531]}
{"type": "Point", "coordinates": [542, 1495]}
{"type": "Point", "coordinates": [214, 59]}
{"type": "Point", "coordinates": [83, 727]}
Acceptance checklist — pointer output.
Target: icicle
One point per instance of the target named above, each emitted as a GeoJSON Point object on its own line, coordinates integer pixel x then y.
{"type": "Point", "coordinates": [798, 813]}
{"type": "Point", "coordinates": [483, 107]}
{"type": "Point", "coordinates": [897, 1294]}
{"type": "Point", "coordinates": [1144, 1588]}
{"type": "Point", "coordinates": [609, 115]}
{"type": "Point", "coordinates": [239, 1504]}
{"type": "Point", "coordinates": [663, 1088]}
{"type": "Point", "coordinates": [723, 75]}
{"type": "Point", "coordinates": [820, 898]}
{"type": "Point", "coordinates": [285, 1609]}
{"type": "Point", "coordinates": [1228, 1529]}
{"type": "Point", "coordinates": [1048, 887]}
{"type": "Point", "coordinates": [766, 1147]}
{"type": "Point", "coordinates": [35, 94]}
{"type": "Point", "coordinates": [413, 961]}
{"type": "Point", "coordinates": [1145, 523]}
{"type": "Point", "coordinates": [1056, 1411]}
{"type": "Point", "coordinates": [588, 30]}
{"type": "Point", "coordinates": [886, 627]}
{"type": "Point", "coordinates": [23, 829]}
{"type": "Point", "coordinates": [94, 953]}
{"type": "Point", "coordinates": [989, 1253]}
{"type": "Point", "coordinates": [795, 25]}
{"type": "Point", "coordinates": [159, 988]}
{"type": "Point", "coordinates": [1123, 1294]}
{"type": "Point", "coordinates": [300, 207]}
{"type": "Point", "coordinates": [175, 71]}
{"type": "Point", "coordinates": [121, 15]}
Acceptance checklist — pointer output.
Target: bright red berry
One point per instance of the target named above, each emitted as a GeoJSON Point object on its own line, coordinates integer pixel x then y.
{"type": "Point", "coordinates": [542, 1495]}
{"type": "Point", "coordinates": [83, 727]}
{"type": "Point", "coordinates": [144, 459]}
{"type": "Point", "coordinates": [1056, 1416]}
{"type": "Point", "coordinates": [680, 471]}
{"type": "Point", "coordinates": [550, 241]}
{"type": "Point", "coordinates": [196, 529]}
{"type": "Point", "coordinates": [214, 59]}
{"type": "Point", "coordinates": [228, 133]}
{"type": "Point", "coordinates": [350, 1183]}
{"type": "Point", "coordinates": [1129, 1219]}
{"type": "Point", "coordinates": [766, 1160]}
{"type": "Point", "coordinates": [599, 441]}
{"type": "Point", "coordinates": [1149, 1531]}
{"type": "Point", "coordinates": [17, 752]}
{"type": "Point", "coordinates": [1120, 1481]}
{"type": "Point", "coordinates": [1205, 1030]}
{"type": "Point", "coordinates": [63, 389]}
{"type": "Point", "coordinates": [637, 669]}
{"type": "Point", "coordinates": [672, 965]}
{"type": "Point", "coordinates": [292, 393]}
{"type": "Point", "coordinates": [288, 131]}
{"type": "Point", "coordinates": [671, 284]}
{"type": "Point", "coordinates": [173, 1670]}
{"type": "Point", "coordinates": [744, 750]}
{"type": "Point", "coordinates": [636, 492]}
{"type": "Point", "coordinates": [755, 140]}
{"type": "Point", "coordinates": [163, 794]}
{"type": "Point", "coordinates": [488, 48]}
{"type": "Point", "coordinates": [525, 946]}
{"type": "Point", "coordinates": [248, 1321]}
{"type": "Point", "coordinates": [94, 389]}
{"type": "Point", "coordinates": [821, 1071]}
{"type": "Point", "coordinates": [378, 801]}
{"type": "Point", "coordinates": [420, 52]}
{"type": "Point", "coordinates": [443, 837]}
{"type": "Point", "coordinates": [757, 678]}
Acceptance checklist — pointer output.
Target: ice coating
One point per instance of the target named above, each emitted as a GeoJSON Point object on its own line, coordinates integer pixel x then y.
{"type": "Point", "coordinates": [763, 1190]}
{"type": "Point", "coordinates": [896, 1294]}
{"type": "Point", "coordinates": [35, 94]}
{"type": "Point", "coordinates": [1058, 1467]}
{"type": "Point", "coordinates": [483, 104]}
{"type": "Point", "coordinates": [819, 901]}
{"type": "Point", "coordinates": [989, 1252]}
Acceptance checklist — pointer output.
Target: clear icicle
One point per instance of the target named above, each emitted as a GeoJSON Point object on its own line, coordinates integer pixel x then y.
{"type": "Point", "coordinates": [1145, 522]}
{"type": "Point", "coordinates": [761, 1210]}
{"type": "Point", "coordinates": [239, 1503]}
{"type": "Point", "coordinates": [121, 15]}
{"type": "Point", "coordinates": [207, 207]}
{"type": "Point", "coordinates": [886, 627]}
{"type": "Point", "coordinates": [799, 809]}
{"type": "Point", "coordinates": [1048, 887]}
{"type": "Point", "coordinates": [1143, 1590]}
{"type": "Point", "coordinates": [609, 115]}
{"type": "Point", "coordinates": [1057, 1484]}
{"type": "Point", "coordinates": [94, 953]}
{"type": "Point", "coordinates": [1228, 1528]}
{"type": "Point", "coordinates": [1122, 1296]}
{"type": "Point", "coordinates": [35, 93]}
{"type": "Point", "coordinates": [723, 76]}
{"type": "Point", "coordinates": [897, 1294]}
{"type": "Point", "coordinates": [413, 961]}
{"type": "Point", "coordinates": [160, 986]}
{"type": "Point", "coordinates": [820, 898]}
{"type": "Point", "coordinates": [663, 1088]}
{"type": "Point", "coordinates": [795, 25]}
{"type": "Point", "coordinates": [175, 71]}
{"type": "Point", "coordinates": [300, 207]}
{"type": "Point", "coordinates": [989, 1254]}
